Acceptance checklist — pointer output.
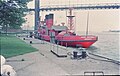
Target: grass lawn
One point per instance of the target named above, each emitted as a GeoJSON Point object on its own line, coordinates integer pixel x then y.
{"type": "Point", "coordinates": [11, 46]}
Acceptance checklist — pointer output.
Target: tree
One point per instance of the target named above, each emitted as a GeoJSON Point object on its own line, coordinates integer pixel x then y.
{"type": "Point", "coordinates": [12, 13]}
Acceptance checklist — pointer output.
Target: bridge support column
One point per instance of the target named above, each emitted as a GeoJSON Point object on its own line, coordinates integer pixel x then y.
{"type": "Point", "coordinates": [37, 15]}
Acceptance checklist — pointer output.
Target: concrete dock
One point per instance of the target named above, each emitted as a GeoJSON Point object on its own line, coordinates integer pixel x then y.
{"type": "Point", "coordinates": [45, 63]}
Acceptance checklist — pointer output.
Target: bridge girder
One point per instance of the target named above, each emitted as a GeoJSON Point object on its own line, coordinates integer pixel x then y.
{"type": "Point", "coordinates": [81, 7]}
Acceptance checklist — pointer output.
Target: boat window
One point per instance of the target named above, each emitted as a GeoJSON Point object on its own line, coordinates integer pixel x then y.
{"type": "Point", "coordinates": [59, 31]}
{"type": "Point", "coordinates": [66, 34]}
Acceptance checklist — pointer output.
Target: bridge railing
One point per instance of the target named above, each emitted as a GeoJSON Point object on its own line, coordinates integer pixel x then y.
{"type": "Point", "coordinates": [80, 6]}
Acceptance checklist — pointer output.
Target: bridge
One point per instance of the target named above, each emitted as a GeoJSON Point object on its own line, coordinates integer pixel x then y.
{"type": "Point", "coordinates": [39, 8]}
{"type": "Point", "coordinates": [79, 7]}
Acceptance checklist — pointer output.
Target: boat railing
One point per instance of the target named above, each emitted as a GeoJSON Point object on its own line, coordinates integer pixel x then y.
{"type": "Point", "coordinates": [88, 35]}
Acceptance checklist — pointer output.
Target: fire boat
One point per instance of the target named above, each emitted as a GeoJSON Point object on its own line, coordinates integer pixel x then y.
{"type": "Point", "coordinates": [63, 35]}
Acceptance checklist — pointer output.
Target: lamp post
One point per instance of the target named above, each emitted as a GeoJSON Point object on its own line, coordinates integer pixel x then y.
{"type": "Point", "coordinates": [27, 27]}
{"type": "Point", "coordinates": [6, 28]}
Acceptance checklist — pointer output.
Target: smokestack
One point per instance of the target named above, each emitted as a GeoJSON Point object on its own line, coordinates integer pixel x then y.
{"type": "Point", "coordinates": [50, 20]}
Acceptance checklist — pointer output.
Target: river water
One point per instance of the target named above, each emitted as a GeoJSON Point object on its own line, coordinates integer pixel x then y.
{"type": "Point", "coordinates": [108, 45]}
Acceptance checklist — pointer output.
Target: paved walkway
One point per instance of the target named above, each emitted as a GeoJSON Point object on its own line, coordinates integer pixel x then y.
{"type": "Point", "coordinates": [44, 63]}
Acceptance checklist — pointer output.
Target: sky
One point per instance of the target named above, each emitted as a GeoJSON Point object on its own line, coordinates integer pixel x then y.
{"type": "Point", "coordinates": [99, 20]}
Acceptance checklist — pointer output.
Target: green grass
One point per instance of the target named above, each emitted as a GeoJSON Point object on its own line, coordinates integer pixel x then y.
{"type": "Point", "coordinates": [11, 46]}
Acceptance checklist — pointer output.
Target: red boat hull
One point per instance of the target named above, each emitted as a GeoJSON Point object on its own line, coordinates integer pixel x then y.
{"type": "Point", "coordinates": [85, 44]}
{"type": "Point", "coordinates": [76, 41]}
{"type": "Point", "coordinates": [73, 40]}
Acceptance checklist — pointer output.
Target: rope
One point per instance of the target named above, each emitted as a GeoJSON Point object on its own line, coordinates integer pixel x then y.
{"type": "Point", "coordinates": [103, 58]}
{"type": "Point", "coordinates": [108, 59]}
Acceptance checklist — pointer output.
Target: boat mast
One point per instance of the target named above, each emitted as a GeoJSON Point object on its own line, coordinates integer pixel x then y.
{"type": "Point", "coordinates": [70, 20]}
{"type": "Point", "coordinates": [87, 23]}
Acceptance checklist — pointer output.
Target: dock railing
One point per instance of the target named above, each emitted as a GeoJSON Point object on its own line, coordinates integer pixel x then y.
{"type": "Point", "coordinates": [58, 50]}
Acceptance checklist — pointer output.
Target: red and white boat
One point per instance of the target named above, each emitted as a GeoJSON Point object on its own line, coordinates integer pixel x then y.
{"type": "Point", "coordinates": [62, 35]}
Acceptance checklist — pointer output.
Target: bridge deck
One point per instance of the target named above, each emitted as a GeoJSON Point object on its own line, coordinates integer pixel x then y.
{"type": "Point", "coordinates": [80, 6]}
